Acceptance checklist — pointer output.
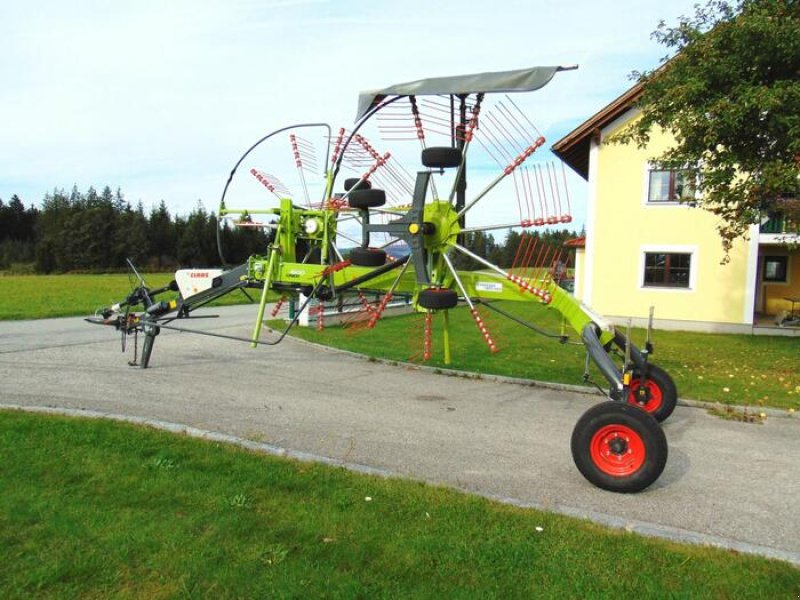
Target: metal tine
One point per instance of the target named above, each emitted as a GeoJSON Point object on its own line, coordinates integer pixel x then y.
{"type": "Point", "coordinates": [388, 168]}
{"type": "Point", "coordinates": [464, 136]}
{"type": "Point", "coordinates": [525, 269]}
{"type": "Point", "coordinates": [436, 112]}
{"type": "Point", "coordinates": [383, 178]}
{"type": "Point", "coordinates": [566, 217]}
{"type": "Point", "coordinates": [522, 240]}
{"type": "Point", "coordinates": [473, 311]}
{"type": "Point", "coordinates": [488, 150]}
{"type": "Point", "coordinates": [403, 177]}
{"type": "Point", "coordinates": [507, 170]}
{"type": "Point", "coordinates": [515, 123]}
{"type": "Point", "coordinates": [524, 221]}
{"type": "Point", "coordinates": [527, 256]}
{"type": "Point", "coordinates": [541, 258]}
{"type": "Point", "coordinates": [308, 150]}
{"type": "Point", "coordinates": [379, 180]}
{"type": "Point", "coordinates": [394, 123]}
{"type": "Point", "coordinates": [421, 136]}
{"type": "Point", "coordinates": [524, 116]}
{"type": "Point", "coordinates": [440, 115]}
{"type": "Point", "coordinates": [523, 285]}
{"type": "Point", "coordinates": [488, 131]}
{"type": "Point", "coordinates": [550, 273]}
{"type": "Point", "coordinates": [532, 219]}
{"type": "Point", "coordinates": [545, 269]}
{"type": "Point", "coordinates": [542, 193]}
{"type": "Point", "coordinates": [392, 180]}
{"type": "Point", "coordinates": [348, 238]}
{"type": "Point", "coordinates": [510, 139]}
{"type": "Point", "coordinates": [355, 157]}
{"type": "Point", "coordinates": [272, 183]}
{"type": "Point", "coordinates": [337, 145]}
{"type": "Point", "coordinates": [398, 181]}
{"type": "Point", "coordinates": [538, 221]}
{"type": "Point", "coordinates": [298, 161]}
{"type": "Point", "coordinates": [551, 174]}
{"type": "Point", "coordinates": [352, 155]}
{"type": "Point", "coordinates": [517, 194]}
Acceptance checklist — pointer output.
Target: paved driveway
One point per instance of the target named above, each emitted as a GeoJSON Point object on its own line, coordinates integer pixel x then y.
{"type": "Point", "coordinates": [725, 483]}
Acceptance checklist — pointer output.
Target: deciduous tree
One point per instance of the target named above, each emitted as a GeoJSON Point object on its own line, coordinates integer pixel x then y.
{"type": "Point", "coordinates": [730, 95]}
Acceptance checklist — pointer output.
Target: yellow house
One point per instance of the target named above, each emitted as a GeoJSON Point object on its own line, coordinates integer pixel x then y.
{"type": "Point", "coordinates": [647, 245]}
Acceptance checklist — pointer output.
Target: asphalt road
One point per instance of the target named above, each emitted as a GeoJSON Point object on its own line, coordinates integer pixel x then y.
{"type": "Point", "coordinates": [726, 483]}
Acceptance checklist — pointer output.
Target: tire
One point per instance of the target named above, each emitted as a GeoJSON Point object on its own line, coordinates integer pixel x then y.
{"type": "Point", "coordinates": [659, 394]}
{"type": "Point", "coordinates": [619, 448]}
{"type": "Point", "coordinates": [441, 157]}
{"type": "Point", "coordinates": [437, 299]}
{"type": "Point", "coordinates": [366, 198]}
{"type": "Point", "coordinates": [367, 257]}
{"type": "Point", "coordinates": [351, 182]}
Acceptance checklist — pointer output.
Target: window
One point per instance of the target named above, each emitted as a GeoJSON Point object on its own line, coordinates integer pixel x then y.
{"type": "Point", "coordinates": [667, 269]}
{"type": "Point", "coordinates": [671, 186]}
{"type": "Point", "coordinates": [776, 268]}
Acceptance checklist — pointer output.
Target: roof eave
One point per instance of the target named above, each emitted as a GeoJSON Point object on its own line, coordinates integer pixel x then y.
{"type": "Point", "coordinates": [573, 148]}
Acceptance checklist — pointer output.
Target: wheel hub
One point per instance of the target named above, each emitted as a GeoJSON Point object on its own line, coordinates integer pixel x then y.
{"type": "Point", "coordinates": [643, 394]}
{"type": "Point", "coordinates": [617, 450]}
{"type": "Point", "coordinates": [440, 225]}
{"type": "Point", "coordinates": [618, 446]}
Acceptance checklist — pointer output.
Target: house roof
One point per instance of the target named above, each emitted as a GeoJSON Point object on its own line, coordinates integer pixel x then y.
{"type": "Point", "coordinates": [573, 148]}
{"type": "Point", "coordinates": [578, 242]}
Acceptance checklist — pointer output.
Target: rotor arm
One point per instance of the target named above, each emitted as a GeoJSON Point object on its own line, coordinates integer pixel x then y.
{"type": "Point", "coordinates": [411, 228]}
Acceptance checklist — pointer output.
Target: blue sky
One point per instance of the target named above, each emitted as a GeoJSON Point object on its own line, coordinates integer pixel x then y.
{"type": "Point", "coordinates": [161, 98]}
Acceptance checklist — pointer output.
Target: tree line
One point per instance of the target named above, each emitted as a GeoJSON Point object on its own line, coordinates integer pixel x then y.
{"type": "Point", "coordinates": [96, 232]}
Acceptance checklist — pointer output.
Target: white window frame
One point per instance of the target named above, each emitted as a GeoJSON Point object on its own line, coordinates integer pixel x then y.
{"type": "Point", "coordinates": [651, 166]}
{"type": "Point", "coordinates": [787, 281]}
{"type": "Point", "coordinates": [693, 265]}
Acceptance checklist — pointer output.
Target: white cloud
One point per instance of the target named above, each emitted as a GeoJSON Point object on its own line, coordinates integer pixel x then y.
{"type": "Point", "coordinates": [161, 98]}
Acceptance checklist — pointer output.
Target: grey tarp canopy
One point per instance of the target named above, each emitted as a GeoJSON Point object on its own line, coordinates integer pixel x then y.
{"type": "Point", "coordinates": [521, 80]}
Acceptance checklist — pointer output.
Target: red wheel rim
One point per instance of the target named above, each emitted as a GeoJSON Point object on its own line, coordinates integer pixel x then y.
{"type": "Point", "coordinates": [617, 450]}
{"type": "Point", "coordinates": [654, 403]}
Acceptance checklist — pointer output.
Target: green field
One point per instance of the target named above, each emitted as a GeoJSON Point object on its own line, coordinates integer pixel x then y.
{"type": "Point", "coordinates": [48, 296]}
{"type": "Point", "coordinates": [732, 369]}
{"type": "Point", "coordinates": [95, 509]}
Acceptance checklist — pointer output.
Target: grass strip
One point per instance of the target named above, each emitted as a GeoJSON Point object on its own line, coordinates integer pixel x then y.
{"type": "Point", "coordinates": [91, 508]}
{"type": "Point", "coordinates": [50, 296]}
{"type": "Point", "coordinates": [732, 369]}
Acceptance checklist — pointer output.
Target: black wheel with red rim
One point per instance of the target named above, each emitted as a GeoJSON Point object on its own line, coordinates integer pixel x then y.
{"type": "Point", "coordinates": [619, 448]}
{"type": "Point", "coordinates": [656, 394]}
{"type": "Point", "coordinates": [354, 183]}
{"type": "Point", "coordinates": [437, 298]}
{"type": "Point", "coordinates": [368, 257]}
{"type": "Point", "coordinates": [366, 198]}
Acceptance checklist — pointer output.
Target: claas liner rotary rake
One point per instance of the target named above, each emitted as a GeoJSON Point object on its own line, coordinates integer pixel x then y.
{"type": "Point", "coordinates": [405, 234]}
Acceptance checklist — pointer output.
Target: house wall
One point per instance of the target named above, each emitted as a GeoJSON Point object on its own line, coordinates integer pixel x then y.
{"type": "Point", "coordinates": [580, 270]}
{"type": "Point", "coordinates": [622, 227]}
{"type": "Point", "coordinates": [774, 294]}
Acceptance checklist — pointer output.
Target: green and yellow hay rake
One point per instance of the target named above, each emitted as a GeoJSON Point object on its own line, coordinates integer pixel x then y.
{"type": "Point", "coordinates": [386, 233]}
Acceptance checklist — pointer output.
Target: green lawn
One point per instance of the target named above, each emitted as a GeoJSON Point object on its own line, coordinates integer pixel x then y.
{"type": "Point", "coordinates": [47, 296]}
{"type": "Point", "coordinates": [95, 509]}
{"type": "Point", "coordinates": [732, 369]}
